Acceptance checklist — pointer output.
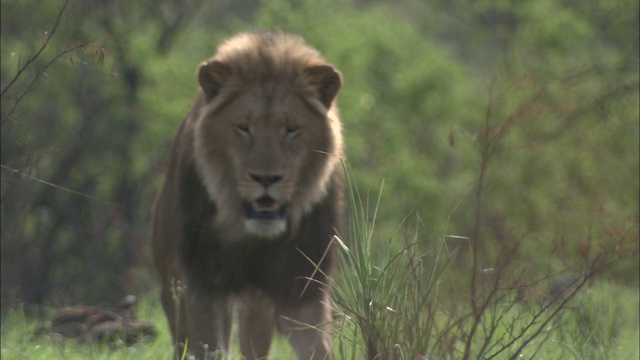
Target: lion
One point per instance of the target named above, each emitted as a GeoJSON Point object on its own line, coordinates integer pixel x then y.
{"type": "Point", "coordinates": [252, 200]}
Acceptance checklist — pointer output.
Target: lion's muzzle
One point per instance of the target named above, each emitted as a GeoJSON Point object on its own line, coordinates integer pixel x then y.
{"type": "Point", "coordinates": [265, 217]}
{"type": "Point", "coordinates": [265, 208]}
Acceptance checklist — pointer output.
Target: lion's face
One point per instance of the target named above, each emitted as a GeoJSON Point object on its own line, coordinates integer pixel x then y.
{"type": "Point", "coordinates": [265, 150]}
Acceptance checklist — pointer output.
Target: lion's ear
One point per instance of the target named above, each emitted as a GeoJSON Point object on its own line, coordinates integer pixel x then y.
{"type": "Point", "coordinates": [327, 79]}
{"type": "Point", "coordinates": [212, 75]}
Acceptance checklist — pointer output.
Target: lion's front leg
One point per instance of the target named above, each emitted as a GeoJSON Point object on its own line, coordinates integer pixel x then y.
{"type": "Point", "coordinates": [257, 323]}
{"type": "Point", "coordinates": [208, 325]}
{"type": "Point", "coordinates": [308, 329]}
{"type": "Point", "coordinates": [175, 312]}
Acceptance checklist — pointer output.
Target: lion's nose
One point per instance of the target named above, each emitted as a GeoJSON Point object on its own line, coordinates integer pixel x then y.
{"type": "Point", "coordinates": [266, 180]}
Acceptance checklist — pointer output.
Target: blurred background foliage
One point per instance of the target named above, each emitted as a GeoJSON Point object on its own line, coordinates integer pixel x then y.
{"type": "Point", "coordinates": [425, 83]}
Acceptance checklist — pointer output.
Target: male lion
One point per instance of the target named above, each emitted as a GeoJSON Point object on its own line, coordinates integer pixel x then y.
{"type": "Point", "coordinates": [251, 201]}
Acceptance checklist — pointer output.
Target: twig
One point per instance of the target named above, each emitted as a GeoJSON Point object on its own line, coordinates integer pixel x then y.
{"type": "Point", "coordinates": [35, 56]}
{"type": "Point", "coordinates": [38, 74]}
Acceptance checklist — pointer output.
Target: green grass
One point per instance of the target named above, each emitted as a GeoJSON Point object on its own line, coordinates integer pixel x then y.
{"type": "Point", "coordinates": [18, 341]}
{"type": "Point", "coordinates": [602, 323]}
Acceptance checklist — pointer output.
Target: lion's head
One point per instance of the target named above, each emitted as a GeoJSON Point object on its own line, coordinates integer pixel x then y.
{"type": "Point", "coordinates": [267, 137]}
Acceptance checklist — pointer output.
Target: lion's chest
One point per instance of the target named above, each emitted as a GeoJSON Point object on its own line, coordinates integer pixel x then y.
{"type": "Point", "coordinates": [277, 268]}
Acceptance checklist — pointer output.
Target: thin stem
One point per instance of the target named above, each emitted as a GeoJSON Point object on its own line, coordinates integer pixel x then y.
{"type": "Point", "coordinates": [38, 74]}
{"type": "Point", "coordinates": [35, 56]}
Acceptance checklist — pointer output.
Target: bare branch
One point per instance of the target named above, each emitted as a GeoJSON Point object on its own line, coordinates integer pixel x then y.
{"type": "Point", "coordinates": [47, 38]}
{"type": "Point", "coordinates": [38, 74]}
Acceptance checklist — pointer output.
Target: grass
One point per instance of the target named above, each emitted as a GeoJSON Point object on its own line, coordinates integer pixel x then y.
{"type": "Point", "coordinates": [18, 341]}
{"type": "Point", "coordinates": [601, 324]}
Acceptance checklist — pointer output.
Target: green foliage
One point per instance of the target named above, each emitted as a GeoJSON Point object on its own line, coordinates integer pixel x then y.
{"type": "Point", "coordinates": [553, 85]}
{"type": "Point", "coordinates": [400, 96]}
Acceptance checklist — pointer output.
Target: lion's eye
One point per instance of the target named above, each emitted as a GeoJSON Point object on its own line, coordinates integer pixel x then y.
{"type": "Point", "coordinates": [243, 129]}
{"type": "Point", "coordinates": [292, 130]}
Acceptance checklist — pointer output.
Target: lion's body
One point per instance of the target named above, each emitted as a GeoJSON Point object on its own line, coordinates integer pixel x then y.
{"type": "Point", "coordinates": [252, 200]}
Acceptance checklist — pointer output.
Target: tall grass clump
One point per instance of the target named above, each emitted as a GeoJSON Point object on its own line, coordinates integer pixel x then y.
{"type": "Point", "coordinates": [386, 300]}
